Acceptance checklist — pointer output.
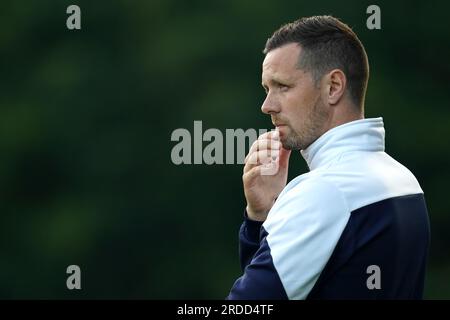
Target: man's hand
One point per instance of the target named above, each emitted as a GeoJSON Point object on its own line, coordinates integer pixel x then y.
{"type": "Point", "coordinates": [265, 174]}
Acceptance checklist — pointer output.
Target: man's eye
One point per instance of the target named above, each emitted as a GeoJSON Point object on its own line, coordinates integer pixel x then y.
{"type": "Point", "coordinates": [280, 86]}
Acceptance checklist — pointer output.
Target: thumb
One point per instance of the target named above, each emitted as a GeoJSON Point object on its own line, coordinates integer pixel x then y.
{"type": "Point", "coordinates": [284, 157]}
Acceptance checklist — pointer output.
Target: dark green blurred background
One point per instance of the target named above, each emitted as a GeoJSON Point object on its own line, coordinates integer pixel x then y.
{"type": "Point", "coordinates": [86, 117]}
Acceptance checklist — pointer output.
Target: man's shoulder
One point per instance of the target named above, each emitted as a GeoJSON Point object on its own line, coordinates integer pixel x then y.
{"type": "Point", "coordinates": [313, 184]}
{"type": "Point", "coordinates": [355, 180]}
{"type": "Point", "coordinates": [311, 194]}
{"type": "Point", "coordinates": [363, 178]}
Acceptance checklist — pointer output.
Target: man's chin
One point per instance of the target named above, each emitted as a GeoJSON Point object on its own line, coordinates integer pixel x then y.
{"type": "Point", "coordinates": [292, 148]}
{"type": "Point", "coordinates": [288, 145]}
{"type": "Point", "coordinates": [288, 140]}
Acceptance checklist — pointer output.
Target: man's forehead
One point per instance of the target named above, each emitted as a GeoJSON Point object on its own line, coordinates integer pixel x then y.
{"type": "Point", "coordinates": [281, 62]}
{"type": "Point", "coordinates": [286, 55]}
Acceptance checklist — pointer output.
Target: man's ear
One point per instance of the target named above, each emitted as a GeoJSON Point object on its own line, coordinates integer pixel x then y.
{"type": "Point", "coordinates": [337, 83]}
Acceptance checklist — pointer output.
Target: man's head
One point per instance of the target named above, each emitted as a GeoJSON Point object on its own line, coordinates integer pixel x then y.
{"type": "Point", "coordinates": [315, 75]}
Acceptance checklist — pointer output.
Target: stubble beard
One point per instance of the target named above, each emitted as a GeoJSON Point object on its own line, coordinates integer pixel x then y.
{"type": "Point", "coordinates": [312, 129]}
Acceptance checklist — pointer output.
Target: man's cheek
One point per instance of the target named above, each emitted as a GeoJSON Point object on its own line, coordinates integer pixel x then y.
{"type": "Point", "coordinates": [285, 132]}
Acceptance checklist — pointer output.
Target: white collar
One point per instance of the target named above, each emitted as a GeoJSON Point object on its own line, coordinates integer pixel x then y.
{"type": "Point", "coordinates": [359, 135]}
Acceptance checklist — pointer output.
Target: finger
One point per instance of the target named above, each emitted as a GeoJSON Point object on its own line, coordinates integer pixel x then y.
{"type": "Point", "coordinates": [251, 174]}
{"type": "Point", "coordinates": [268, 169]}
{"type": "Point", "coordinates": [264, 144]}
{"type": "Point", "coordinates": [266, 140]}
{"type": "Point", "coordinates": [273, 134]}
{"type": "Point", "coordinates": [261, 157]}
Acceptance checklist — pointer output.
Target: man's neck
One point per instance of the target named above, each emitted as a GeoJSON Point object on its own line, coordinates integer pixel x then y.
{"type": "Point", "coordinates": [342, 114]}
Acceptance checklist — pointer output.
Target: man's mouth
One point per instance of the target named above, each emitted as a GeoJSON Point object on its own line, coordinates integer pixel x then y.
{"type": "Point", "coordinates": [277, 124]}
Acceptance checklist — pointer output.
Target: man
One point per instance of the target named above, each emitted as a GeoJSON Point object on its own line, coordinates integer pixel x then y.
{"type": "Point", "coordinates": [356, 225]}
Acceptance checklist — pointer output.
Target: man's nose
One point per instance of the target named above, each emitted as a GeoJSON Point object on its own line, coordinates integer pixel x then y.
{"type": "Point", "coordinates": [270, 106]}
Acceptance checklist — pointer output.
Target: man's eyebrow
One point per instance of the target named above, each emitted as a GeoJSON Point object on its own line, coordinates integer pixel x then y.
{"type": "Point", "coordinates": [274, 81]}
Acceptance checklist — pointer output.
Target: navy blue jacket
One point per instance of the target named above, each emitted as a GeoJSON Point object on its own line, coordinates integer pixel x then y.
{"type": "Point", "coordinates": [354, 227]}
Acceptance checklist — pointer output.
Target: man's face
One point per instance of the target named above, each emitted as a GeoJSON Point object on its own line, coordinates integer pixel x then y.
{"type": "Point", "coordinates": [293, 100]}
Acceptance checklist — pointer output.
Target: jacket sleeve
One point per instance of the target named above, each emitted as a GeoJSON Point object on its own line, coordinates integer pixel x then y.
{"type": "Point", "coordinates": [260, 280]}
{"type": "Point", "coordinates": [294, 245]}
{"type": "Point", "coordinates": [248, 240]}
